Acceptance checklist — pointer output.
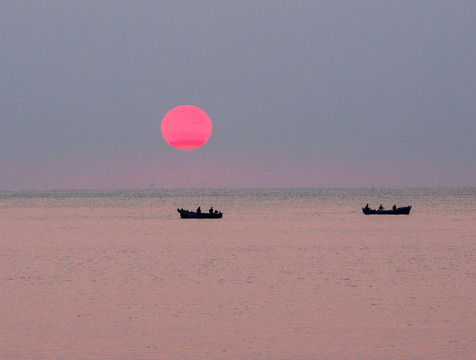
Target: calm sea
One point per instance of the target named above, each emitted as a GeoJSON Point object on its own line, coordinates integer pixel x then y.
{"type": "Point", "coordinates": [286, 274]}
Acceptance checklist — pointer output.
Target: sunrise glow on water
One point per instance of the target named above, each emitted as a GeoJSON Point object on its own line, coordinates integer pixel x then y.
{"type": "Point", "coordinates": [286, 274]}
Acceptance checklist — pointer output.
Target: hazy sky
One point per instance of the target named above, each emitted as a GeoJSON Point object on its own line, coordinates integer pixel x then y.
{"type": "Point", "coordinates": [300, 93]}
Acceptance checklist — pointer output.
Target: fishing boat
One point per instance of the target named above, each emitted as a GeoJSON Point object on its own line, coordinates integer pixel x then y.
{"type": "Point", "coordinates": [187, 214]}
{"type": "Point", "coordinates": [381, 211]}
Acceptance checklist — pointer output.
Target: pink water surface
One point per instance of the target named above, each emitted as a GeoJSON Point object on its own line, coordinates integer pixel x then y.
{"type": "Point", "coordinates": [284, 275]}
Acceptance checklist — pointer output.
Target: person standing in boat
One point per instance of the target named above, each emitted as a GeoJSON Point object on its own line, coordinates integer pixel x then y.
{"type": "Point", "coordinates": [199, 211]}
{"type": "Point", "coordinates": [380, 207]}
{"type": "Point", "coordinates": [211, 210]}
{"type": "Point", "coordinates": [394, 207]}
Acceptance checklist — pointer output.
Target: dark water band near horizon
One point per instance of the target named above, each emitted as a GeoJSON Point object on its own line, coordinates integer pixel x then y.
{"type": "Point", "coordinates": [285, 274]}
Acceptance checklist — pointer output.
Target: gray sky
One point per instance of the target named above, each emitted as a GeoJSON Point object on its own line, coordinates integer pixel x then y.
{"type": "Point", "coordinates": [300, 93]}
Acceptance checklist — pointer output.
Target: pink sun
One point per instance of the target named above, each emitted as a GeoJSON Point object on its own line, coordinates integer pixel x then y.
{"type": "Point", "coordinates": [186, 127]}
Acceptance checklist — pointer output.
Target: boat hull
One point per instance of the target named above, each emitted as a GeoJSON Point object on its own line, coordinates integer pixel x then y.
{"type": "Point", "coordinates": [186, 214]}
{"type": "Point", "coordinates": [399, 211]}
